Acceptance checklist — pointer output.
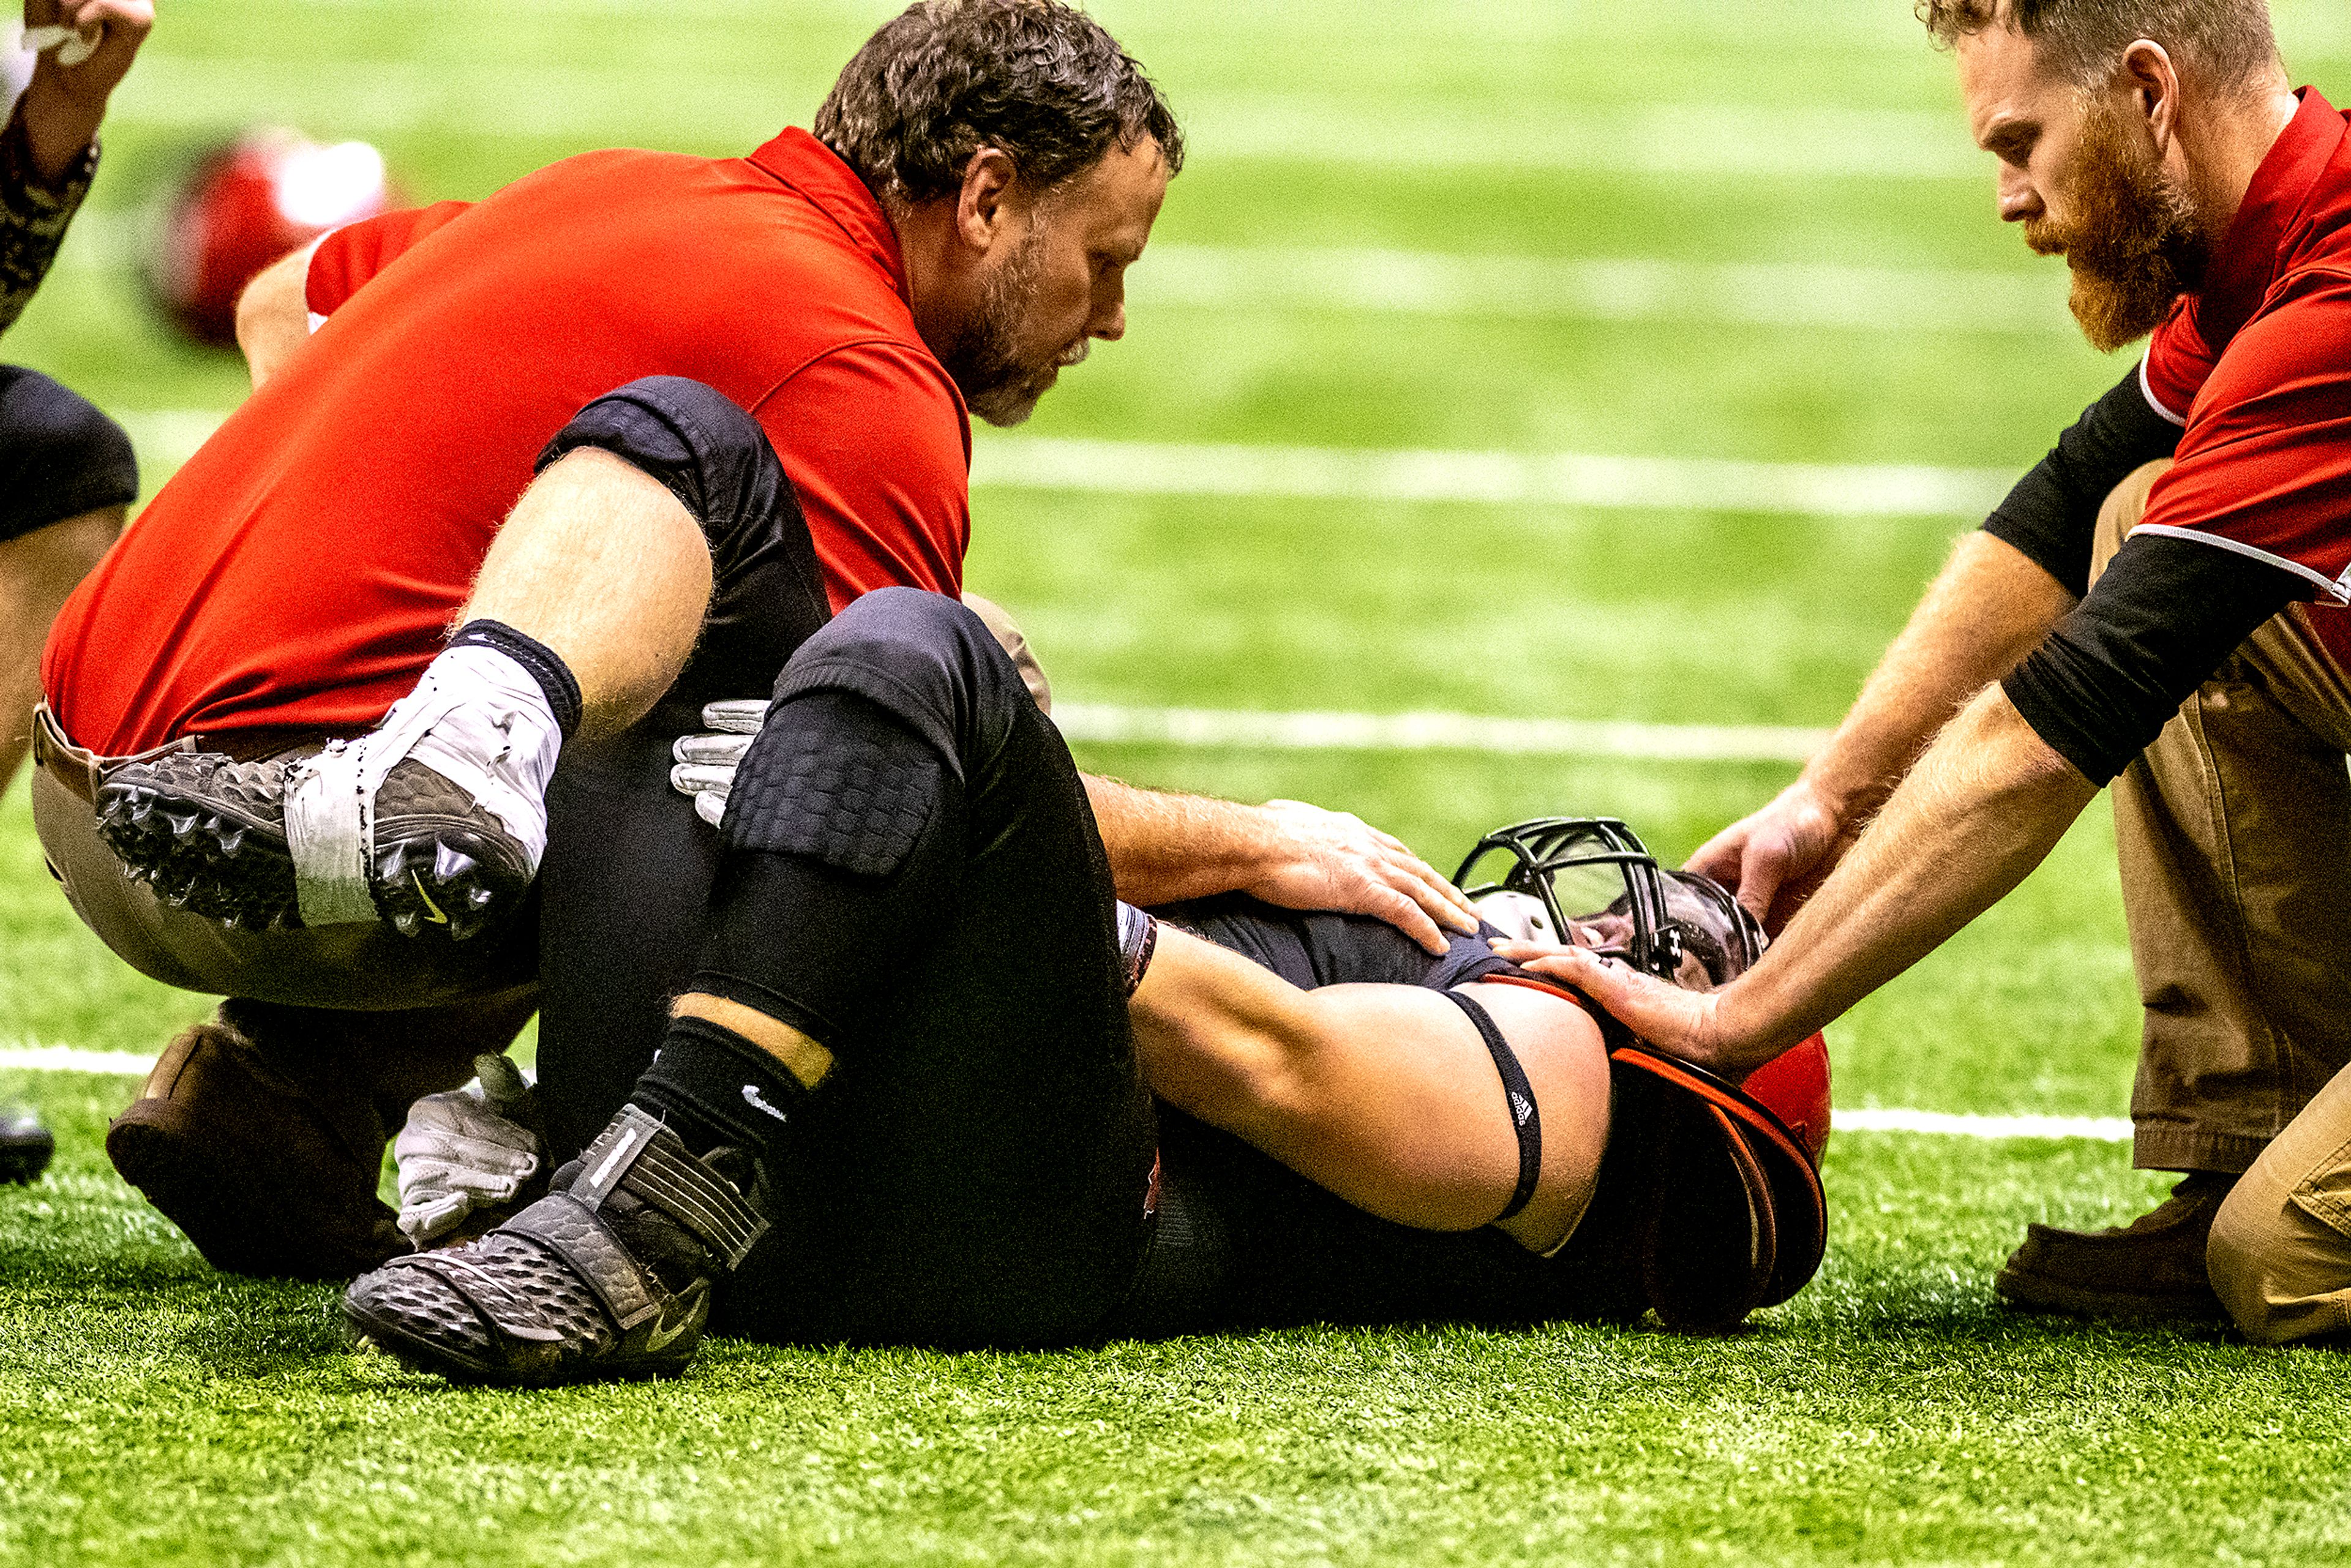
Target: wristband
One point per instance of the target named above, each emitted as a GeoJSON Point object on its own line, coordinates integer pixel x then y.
{"type": "Point", "coordinates": [1138, 938]}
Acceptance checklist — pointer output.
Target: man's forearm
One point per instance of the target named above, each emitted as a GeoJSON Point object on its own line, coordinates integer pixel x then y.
{"type": "Point", "coordinates": [1166, 848]}
{"type": "Point", "coordinates": [1989, 608]}
{"type": "Point", "coordinates": [273, 313]}
{"type": "Point", "coordinates": [1981, 809]}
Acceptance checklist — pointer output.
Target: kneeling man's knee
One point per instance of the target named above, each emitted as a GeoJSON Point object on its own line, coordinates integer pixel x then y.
{"type": "Point", "coordinates": [2282, 1273]}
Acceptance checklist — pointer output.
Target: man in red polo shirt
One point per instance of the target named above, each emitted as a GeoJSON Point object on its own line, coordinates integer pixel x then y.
{"type": "Point", "coordinates": [552, 421]}
{"type": "Point", "coordinates": [2158, 604]}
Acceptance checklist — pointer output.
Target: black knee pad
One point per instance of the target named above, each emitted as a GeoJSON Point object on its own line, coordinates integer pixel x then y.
{"type": "Point", "coordinates": [926, 659]}
{"type": "Point", "coordinates": [837, 779]}
{"type": "Point", "coordinates": [59, 457]}
{"type": "Point", "coordinates": [710, 454]}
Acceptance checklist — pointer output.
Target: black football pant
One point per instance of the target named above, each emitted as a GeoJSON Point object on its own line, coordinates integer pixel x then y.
{"type": "Point", "coordinates": [976, 1170]}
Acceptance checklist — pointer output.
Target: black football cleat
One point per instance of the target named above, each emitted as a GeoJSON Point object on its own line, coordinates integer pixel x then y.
{"type": "Point", "coordinates": [609, 1275]}
{"type": "Point", "coordinates": [24, 1145]}
{"type": "Point", "coordinates": [208, 832]}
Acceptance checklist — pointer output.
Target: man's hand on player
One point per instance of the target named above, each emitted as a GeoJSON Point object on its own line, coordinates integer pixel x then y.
{"type": "Point", "coordinates": [1773, 859]}
{"type": "Point", "coordinates": [65, 102]}
{"type": "Point", "coordinates": [1684, 1023]}
{"type": "Point", "coordinates": [1314, 859]}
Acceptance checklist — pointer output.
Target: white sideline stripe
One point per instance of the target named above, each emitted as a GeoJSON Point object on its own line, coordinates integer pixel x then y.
{"type": "Point", "coordinates": [1525, 288]}
{"type": "Point", "coordinates": [1939, 1124]}
{"type": "Point", "coordinates": [1944, 1124]}
{"type": "Point", "coordinates": [62, 1059]}
{"type": "Point", "coordinates": [1493, 479]}
{"type": "Point", "coordinates": [1109, 725]}
{"type": "Point", "coordinates": [495, 96]}
{"type": "Point", "coordinates": [1324, 473]}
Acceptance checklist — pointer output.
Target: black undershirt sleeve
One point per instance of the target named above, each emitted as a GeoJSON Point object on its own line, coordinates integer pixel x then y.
{"type": "Point", "coordinates": [2052, 512]}
{"type": "Point", "coordinates": [2163, 616]}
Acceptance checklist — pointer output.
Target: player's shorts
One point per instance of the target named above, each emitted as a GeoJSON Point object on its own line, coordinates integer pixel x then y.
{"type": "Point", "coordinates": [59, 457]}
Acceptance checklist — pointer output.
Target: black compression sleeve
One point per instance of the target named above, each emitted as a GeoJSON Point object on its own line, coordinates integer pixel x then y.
{"type": "Point", "coordinates": [2054, 511]}
{"type": "Point", "coordinates": [2163, 616]}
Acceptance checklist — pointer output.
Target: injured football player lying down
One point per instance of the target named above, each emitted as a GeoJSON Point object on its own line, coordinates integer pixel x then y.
{"type": "Point", "coordinates": [932, 1083]}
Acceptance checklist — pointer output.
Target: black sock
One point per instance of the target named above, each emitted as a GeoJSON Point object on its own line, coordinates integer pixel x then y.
{"type": "Point", "coordinates": [546, 666]}
{"type": "Point", "coordinates": [714, 1088]}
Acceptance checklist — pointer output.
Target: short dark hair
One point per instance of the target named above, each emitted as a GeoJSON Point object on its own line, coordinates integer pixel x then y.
{"type": "Point", "coordinates": [1039, 80]}
{"type": "Point", "coordinates": [2229, 40]}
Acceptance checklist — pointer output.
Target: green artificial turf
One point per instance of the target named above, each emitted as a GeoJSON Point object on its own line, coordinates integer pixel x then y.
{"type": "Point", "coordinates": [153, 1411]}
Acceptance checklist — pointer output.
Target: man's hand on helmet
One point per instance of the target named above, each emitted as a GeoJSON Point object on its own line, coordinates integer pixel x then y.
{"type": "Point", "coordinates": [1678, 1022]}
{"type": "Point", "coordinates": [1773, 859]}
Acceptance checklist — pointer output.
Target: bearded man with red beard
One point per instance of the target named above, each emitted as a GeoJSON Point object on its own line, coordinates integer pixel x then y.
{"type": "Point", "coordinates": [2158, 604]}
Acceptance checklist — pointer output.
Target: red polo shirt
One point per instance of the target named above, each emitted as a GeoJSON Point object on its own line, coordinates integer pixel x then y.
{"type": "Point", "coordinates": [301, 570]}
{"type": "Point", "coordinates": [2257, 368]}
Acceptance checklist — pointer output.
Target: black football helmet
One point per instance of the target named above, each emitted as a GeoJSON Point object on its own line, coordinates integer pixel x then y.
{"type": "Point", "coordinates": [1592, 877]}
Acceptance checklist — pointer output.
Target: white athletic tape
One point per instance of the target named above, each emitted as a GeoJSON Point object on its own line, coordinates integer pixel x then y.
{"type": "Point", "coordinates": [72, 47]}
{"type": "Point", "coordinates": [478, 719]}
{"type": "Point", "coordinates": [330, 833]}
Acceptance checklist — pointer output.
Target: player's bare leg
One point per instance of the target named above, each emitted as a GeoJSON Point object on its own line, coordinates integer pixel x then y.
{"type": "Point", "coordinates": [36, 571]}
{"type": "Point", "coordinates": [587, 607]}
{"type": "Point", "coordinates": [600, 562]}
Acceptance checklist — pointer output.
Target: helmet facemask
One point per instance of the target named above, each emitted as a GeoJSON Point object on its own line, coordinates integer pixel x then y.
{"type": "Point", "coordinates": [1590, 881]}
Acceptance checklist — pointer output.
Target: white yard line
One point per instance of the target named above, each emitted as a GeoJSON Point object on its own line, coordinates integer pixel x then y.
{"type": "Point", "coordinates": [2113, 1129]}
{"type": "Point", "coordinates": [1945, 1124]}
{"type": "Point", "coordinates": [168, 436]}
{"type": "Point", "coordinates": [1494, 479]}
{"type": "Point", "coordinates": [1105, 724]}
{"type": "Point", "coordinates": [63, 1058]}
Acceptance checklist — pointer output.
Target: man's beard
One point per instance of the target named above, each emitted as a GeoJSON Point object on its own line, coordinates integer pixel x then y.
{"type": "Point", "coordinates": [2135, 243]}
{"type": "Point", "coordinates": [998, 383]}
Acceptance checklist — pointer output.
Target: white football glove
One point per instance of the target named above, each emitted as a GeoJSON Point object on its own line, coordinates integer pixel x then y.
{"type": "Point", "coordinates": [467, 1151]}
{"type": "Point", "coordinates": [706, 764]}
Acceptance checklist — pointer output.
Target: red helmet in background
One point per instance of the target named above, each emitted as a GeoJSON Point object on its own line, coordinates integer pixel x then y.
{"type": "Point", "coordinates": [243, 206]}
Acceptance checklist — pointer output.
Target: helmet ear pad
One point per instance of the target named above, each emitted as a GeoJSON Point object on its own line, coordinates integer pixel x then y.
{"type": "Point", "coordinates": [1715, 929]}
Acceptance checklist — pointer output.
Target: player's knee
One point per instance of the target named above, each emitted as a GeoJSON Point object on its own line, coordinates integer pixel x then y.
{"type": "Point", "coordinates": [59, 457]}
{"type": "Point", "coordinates": [2245, 1257]}
{"type": "Point", "coordinates": [921, 657]}
{"type": "Point", "coordinates": [700, 444]}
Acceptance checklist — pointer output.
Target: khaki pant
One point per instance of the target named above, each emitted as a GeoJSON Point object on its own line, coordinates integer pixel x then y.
{"type": "Point", "coordinates": [2233, 832]}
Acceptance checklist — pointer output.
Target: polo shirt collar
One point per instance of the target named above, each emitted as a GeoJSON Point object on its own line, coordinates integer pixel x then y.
{"type": "Point", "coordinates": [817, 172]}
{"type": "Point", "coordinates": [2251, 250]}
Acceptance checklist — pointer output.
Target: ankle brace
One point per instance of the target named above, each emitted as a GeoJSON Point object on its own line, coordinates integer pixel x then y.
{"type": "Point", "coordinates": [713, 1087]}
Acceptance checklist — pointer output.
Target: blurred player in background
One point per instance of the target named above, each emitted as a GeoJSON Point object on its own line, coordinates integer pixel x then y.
{"type": "Point", "coordinates": [2159, 604]}
{"type": "Point", "coordinates": [67, 473]}
{"type": "Point", "coordinates": [537, 478]}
